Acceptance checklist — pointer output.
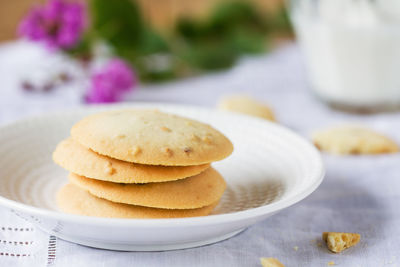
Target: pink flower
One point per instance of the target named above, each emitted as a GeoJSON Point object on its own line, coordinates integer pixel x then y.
{"type": "Point", "coordinates": [109, 84]}
{"type": "Point", "coordinates": [58, 24]}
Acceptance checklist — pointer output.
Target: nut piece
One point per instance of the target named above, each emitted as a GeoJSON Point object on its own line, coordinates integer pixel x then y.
{"type": "Point", "coordinates": [135, 150]}
{"type": "Point", "coordinates": [338, 242]}
{"type": "Point", "coordinates": [168, 151]}
{"type": "Point", "coordinates": [109, 169]}
{"type": "Point", "coordinates": [271, 262]}
{"type": "Point", "coordinates": [187, 150]}
{"type": "Point", "coordinates": [195, 138]}
{"type": "Point", "coordinates": [165, 129]}
{"type": "Point", "coordinates": [207, 140]}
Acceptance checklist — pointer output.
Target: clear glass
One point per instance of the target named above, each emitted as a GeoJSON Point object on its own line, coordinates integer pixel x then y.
{"type": "Point", "coordinates": [351, 50]}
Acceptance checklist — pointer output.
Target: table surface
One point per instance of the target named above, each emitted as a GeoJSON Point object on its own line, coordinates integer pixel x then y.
{"type": "Point", "coordinates": [359, 194]}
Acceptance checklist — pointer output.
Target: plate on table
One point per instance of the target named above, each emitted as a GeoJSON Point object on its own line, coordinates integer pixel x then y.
{"type": "Point", "coordinates": [270, 169]}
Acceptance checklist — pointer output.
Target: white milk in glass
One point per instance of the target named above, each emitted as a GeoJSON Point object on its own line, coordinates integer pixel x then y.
{"type": "Point", "coordinates": [352, 49]}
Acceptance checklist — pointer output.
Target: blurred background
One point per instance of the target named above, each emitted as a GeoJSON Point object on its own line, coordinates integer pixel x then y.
{"type": "Point", "coordinates": [162, 14]}
{"type": "Point", "coordinates": [66, 53]}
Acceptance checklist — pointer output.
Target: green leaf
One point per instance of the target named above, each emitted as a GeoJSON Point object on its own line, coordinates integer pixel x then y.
{"type": "Point", "coordinates": [246, 41]}
{"type": "Point", "coordinates": [210, 56]}
{"type": "Point", "coordinates": [230, 15]}
{"type": "Point", "coordinates": [118, 22]}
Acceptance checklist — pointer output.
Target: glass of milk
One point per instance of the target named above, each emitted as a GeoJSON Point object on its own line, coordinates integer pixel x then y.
{"type": "Point", "coordinates": [352, 50]}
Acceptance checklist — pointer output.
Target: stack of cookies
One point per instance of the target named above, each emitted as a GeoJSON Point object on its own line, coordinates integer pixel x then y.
{"type": "Point", "coordinates": [141, 164]}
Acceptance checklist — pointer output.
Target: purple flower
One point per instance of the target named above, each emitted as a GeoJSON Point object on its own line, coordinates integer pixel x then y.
{"type": "Point", "coordinates": [58, 24]}
{"type": "Point", "coordinates": [110, 83]}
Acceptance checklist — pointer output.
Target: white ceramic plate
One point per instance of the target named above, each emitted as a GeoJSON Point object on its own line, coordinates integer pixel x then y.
{"type": "Point", "coordinates": [270, 169]}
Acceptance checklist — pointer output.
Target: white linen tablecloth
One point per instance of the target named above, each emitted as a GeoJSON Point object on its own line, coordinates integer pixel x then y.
{"type": "Point", "coordinates": [359, 194]}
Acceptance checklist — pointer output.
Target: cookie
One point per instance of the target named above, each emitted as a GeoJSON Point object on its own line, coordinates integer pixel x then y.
{"type": "Point", "coordinates": [151, 137]}
{"type": "Point", "coordinates": [246, 105]}
{"type": "Point", "coordinates": [338, 242]}
{"type": "Point", "coordinates": [353, 140]}
{"type": "Point", "coordinates": [193, 192]}
{"type": "Point", "coordinates": [72, 199]}
{"type": "Point", "coordinates": [83, 161]}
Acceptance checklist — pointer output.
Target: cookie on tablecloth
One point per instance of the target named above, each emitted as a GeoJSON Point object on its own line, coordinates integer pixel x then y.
{"type": "Point", "coordinates": [353, 140]}
{"type": "Point", "coordinates": [246, 105]}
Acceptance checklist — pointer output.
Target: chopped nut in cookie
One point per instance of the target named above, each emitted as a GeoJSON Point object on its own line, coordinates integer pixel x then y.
{"type": "Point", "coordinates": [338, 242]}
{"type": "Point", "coordinates": [168, 151]}
{"type": "Point", "coordinates": [194, 137]}
{"type": "Point", "coordinates": [187, 150]}
{"type": "Point", "coordinates": [135, 151]}
{"type": "Point", "coordinates": [271, 262]}
{"type": "Point", "coordinates": [165, 129]}
{"type": "Point", "coordinates": [109, 169]}
{"type": "Point", "coordinates": [207, 140]}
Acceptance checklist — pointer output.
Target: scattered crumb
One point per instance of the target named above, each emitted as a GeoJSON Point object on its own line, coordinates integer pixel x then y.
{"type": "Point", "coordinates": [338, 242]}
{"type": "Point", "coordinates": [331, 263]}
{"type": "Point", "coordinates": [319, 244]}
{"type": "Point", "coordinates": [271, 262]}
{"type": "Point", "coordinates": [296, 248]}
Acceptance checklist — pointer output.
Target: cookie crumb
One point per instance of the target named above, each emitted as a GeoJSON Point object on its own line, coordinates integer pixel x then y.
{"type": "Point", "coordinates": [121, 136]}
{"type": "Point", "coordinates": [338, 242]}
{"type": "Point", "coordinates": [296, 248]}
{"type": "Point", "coordinates": [166, 129]}
{"type": "Point", "coordinates": [168, 151]}
{"type": "Point", "coordinates": [271, 262]}
{"type": "Point", "coordinates": [331, 263]}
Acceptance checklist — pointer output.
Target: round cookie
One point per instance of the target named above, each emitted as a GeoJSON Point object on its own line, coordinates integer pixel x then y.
{"type": "Point", "coordinates": [151, 137]}
{"type": "Point", "coordinates": [190, 193]}
{"type": "Point", "coordinates": [352, 139]}
{"type": "Point", "coordinates": [72, 199]}
{"type": "Point", "coordinates": [246, 105]}
{"type": "Point", "coordinates": [78, 159]}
